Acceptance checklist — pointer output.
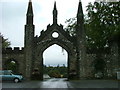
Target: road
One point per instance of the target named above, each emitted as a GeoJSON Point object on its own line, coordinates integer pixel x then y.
{"type": "Point", "coordinates": [63, 83]}
{"type": "Point", "coordinates": [50, 83]}
{"type": "Point", "coordinates": [54, 83]}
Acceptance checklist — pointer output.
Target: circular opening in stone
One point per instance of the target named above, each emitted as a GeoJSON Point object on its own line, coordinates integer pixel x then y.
{"type": "Point", "coordinates": [55, 35]}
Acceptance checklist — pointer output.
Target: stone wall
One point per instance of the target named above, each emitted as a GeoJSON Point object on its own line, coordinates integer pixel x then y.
{"type": "Point", "coordinates": [111, 61]}
{"type": "Point", "coordinates": [16, 54]}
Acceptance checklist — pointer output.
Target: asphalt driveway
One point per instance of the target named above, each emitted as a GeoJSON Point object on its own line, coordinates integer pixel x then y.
{"type": "Point", "coordinates": [63, 83]}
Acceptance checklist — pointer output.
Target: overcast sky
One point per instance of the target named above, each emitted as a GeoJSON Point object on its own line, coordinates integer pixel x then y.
{"type": "Point", "coordinates": [13, 19]}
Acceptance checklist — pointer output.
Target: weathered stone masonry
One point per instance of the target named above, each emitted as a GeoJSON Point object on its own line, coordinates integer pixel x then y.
{"type": "Point", "coordinates": [80, 59]}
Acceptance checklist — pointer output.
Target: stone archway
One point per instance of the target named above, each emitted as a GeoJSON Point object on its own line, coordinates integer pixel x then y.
{"type": "Point", "coordinates": [12, 64]}
{"type": "Point", "coordinates": [35, 46]}
{"type": "Point", "coordinates": [39, 56]}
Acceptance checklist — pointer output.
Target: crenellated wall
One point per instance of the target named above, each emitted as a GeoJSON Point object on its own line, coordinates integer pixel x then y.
{"type": "Point", "coordinates": [111, 60]}
{"type": "Point", "coordinates": [13, 50]}
{"type": "Point", "coordinates": [17, 55]}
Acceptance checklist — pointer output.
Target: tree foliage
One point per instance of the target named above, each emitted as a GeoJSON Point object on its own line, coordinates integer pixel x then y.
{"type": "Point", "coordinates": [102, 22]}
{"type": "Point", "coordinates": [12, 65]}
{"type": "Point", "coordinates": [71, 26]}
{"type": "Point", "coordinates": [58, 71]}
{"type": "Point", "coordinates": [5, 42]}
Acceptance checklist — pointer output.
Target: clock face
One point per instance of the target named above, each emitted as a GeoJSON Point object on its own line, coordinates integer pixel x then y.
{"type": "Point", "coordinates": [55, 34]}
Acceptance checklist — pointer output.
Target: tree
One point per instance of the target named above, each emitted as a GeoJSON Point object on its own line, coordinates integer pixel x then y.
{"type": "Point", "coordinates": [54, 73]}
{"type": "Point", "coordinates": [71, 26]}
{"type": "Point", "coordinates": [5, 42]}
{"type": "Point", "coordinates": [101, 23]}
{"type": "Point", "coordinates": [57, 71]}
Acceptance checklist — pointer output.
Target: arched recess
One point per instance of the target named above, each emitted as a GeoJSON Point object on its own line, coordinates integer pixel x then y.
{"type": "Point", "coordinates": [65, 45]}
{"type": "Point", "coordinates": [99, 67]}
{"type": "Point", "coordinates": [12, 64]}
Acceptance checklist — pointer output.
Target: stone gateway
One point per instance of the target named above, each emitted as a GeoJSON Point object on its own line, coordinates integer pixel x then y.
{"type": "Point", "coordinates": [29, 59]}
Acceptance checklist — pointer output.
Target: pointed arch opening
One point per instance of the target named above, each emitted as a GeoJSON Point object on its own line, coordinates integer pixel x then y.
{"type": "Point", "coordinates": [55, 62]}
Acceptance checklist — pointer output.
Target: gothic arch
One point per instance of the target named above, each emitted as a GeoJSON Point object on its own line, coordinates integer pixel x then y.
{"type": "Point", "coordinates": [49, 41]}
{"type": "Point", "coordinates": [62, 44]}
{"type": "Point", "coordinates": [35, 46]}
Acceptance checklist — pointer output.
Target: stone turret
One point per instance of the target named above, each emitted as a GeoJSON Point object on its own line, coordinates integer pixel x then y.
{"type": "Point", "coordinates": [80, 36]}
{"type": "Point", "coordinates": [29, 40]}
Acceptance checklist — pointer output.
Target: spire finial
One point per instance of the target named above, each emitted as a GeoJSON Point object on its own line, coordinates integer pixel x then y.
{"type": "Point", "coordinates": [80, 15]}
{"type": "Point", "coordinates": [80, 7]}
{"type": "Point", "coordinates": [30, 13]}
{"type": "Point", "coordinates": [55, 14]}
{"type": "Point", "coordinates": [30, 10]}
{"type": "Point", "coordinates": [54, 2]}
{"type": "Point", "coordinates": [54, 5]}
